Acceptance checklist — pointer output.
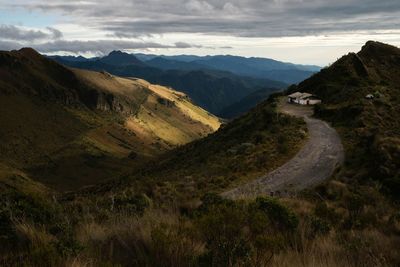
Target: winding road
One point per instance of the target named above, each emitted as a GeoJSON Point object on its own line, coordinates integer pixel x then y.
{"type": "Point", "coordinates": [314, 163]}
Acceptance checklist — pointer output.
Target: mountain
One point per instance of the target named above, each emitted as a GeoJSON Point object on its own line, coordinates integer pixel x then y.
{"type": "Point", "coordinates": [168, 211]}
{"type": "Point", "coordinates": [212, 90]}
{"type": "Point", "coordinates": [72, 58]}
{"type": "Point", "coordinates": [263, 68]}
{"type": "Point", "coordinates": [118, 58]}
{"type": "Point", "coordinates": [68, 127]}
{"type": "Point", "coordinates": [245, 104]}
{"type": "Point", "coordinates": [370, 128]}
{"type": "Point", "coordinates": [242, 149]}
{"type": "Point", "coordinates": [260, 68]}
{"type": "Point", "coordinates": [180, 58]}
{"type": "Point", "coordinates": [170, 64]}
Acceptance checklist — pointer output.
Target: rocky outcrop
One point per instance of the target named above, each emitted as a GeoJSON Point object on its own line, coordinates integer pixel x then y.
{"type": "Point", "coordinates": [110, 102]}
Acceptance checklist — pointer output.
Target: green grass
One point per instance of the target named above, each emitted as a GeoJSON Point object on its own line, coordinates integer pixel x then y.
{"type": "Point", "coordinates": [244, 149]}
{"type": "Point", "coordinates": [164, 214]}
{"type": "Point", "coordinates": [370, 129]}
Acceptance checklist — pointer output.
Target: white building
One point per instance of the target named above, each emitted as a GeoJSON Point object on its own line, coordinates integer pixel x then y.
{"type": "Point", "coordinates": [303, 99]}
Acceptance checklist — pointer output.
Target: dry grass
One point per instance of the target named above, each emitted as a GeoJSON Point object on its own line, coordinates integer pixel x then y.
{"type": "Point", "coordinates": [37, 236]}
{"type": "Point", "coordinates": [359, 248]}
{"type": "Point", "coordinates": [156, 237]}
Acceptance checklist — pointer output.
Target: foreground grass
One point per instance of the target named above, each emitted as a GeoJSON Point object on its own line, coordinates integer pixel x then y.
{"type": "Point", "coordinates": [132, 230]}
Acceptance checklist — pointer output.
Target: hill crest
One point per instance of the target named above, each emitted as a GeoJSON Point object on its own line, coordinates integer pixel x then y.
{"type": "Point", "coordinates": [83, 126]}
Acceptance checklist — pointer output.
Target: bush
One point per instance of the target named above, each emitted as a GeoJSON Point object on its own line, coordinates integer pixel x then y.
{"type": "Point", "coordinates": [319, 226]}
{"type": "Point", "coordinates": [132, 203]}
{"type": "Point", "coordinates": [222, 229]}
{"type": "Point", "coordinates": [281, 217]}
{"type": "Point", "coordinates": [328, 214]}
{"type": "Point", "coordinates": [240, 233]}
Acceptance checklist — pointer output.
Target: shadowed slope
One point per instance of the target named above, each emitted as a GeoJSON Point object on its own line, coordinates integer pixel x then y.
{"type": "Point", "coordinates": [71, 127]}
{"type": "Point", "coordinates": [370, 128]}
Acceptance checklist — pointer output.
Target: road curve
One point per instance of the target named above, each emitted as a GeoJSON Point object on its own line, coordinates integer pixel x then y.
{"type": "Point", "coordinates": [314, 163]}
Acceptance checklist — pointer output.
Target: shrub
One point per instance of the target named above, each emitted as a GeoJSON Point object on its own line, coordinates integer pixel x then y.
{"type": "Point", "coordinates": [222, 228]}
{"type": "Point", "coordinates": [328, 214]}
{"type": "Point", "coordinates": [240, 233]}
{"type": "Point", "coordinates": [319, 226]}
{"type": "Point", "coordinates": [130, 202]}
{"type": "Point", "coordinates": [281, 217]}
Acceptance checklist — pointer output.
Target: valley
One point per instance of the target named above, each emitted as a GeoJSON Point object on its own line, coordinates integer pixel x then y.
{"type": "Point", "coordinates": [212, 82]}
{"type": "Point", "coordinates": [98, 169]}
{"type": "Point", "coordinates": [69, 127]}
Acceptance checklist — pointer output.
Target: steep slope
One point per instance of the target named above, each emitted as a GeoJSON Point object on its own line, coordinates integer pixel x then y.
{"type": "Point", "coordinates": [214, 90]}
{"type": "Point", "coordinates": [211, 89]}
{"type": "Point", "coordinates": [240, 151]}
{"type": "Point", "coordinates": [370, 127]}
{"type": "Point", "coordinates": [245, 104]}
{"type": "Point", "coordinates": [71, 127]}
{"type": "Point", "coordinates": [166, 214]}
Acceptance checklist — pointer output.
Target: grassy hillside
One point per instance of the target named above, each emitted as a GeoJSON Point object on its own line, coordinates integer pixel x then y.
{"type": "Point", "coordinates": [167, 213]}
{"type": "Point", "coordinates": [139, 219]}
{"type": "Point", "coordinates": [210, 89]}
{"type": "Point", "coordinates": [370, 128]}
{"type": "Point", "coordinates": [69, 128]}
{"type": "Point", "coordinates": [241, 150]}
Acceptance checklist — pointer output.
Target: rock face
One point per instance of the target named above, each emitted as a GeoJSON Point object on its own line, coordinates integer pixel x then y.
{"type": "Point", "coordinates": [109, 102]}
{"type": "Point", "coordinates": [72, 127]}
{"type": "Point", "coordinates": [22, 72]}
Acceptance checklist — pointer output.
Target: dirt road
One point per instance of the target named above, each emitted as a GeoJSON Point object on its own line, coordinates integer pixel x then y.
{"type": "Point", "coordinates": [314, 163]}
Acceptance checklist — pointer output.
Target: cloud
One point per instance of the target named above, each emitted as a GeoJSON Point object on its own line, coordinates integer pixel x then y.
{"type": "Point", "coordinates": [7, 45]}
{"type": "Point", "coordinates": [11, 32]}
{"type": "Point", "coordinates": [98, 46]}
{"type": "Point", "coordinates": [250, 18]}
{"type": "Point", "coordinates": [186, 45]}
{"type": "Point", "coordinates": [14, 33]}
{"type": "Point", "coordinates": [277, 25]}
{"type": "Point", "coordinates": [199, 6]}
{"type": "Point", "coordinates": [56, 33]}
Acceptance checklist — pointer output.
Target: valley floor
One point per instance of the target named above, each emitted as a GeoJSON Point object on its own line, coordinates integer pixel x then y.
{"type": "Point", "coordinates": [314, 163]}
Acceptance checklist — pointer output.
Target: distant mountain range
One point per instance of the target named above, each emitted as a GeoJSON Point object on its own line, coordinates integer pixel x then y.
{"type": "Point", "coordinates": [213, 82]}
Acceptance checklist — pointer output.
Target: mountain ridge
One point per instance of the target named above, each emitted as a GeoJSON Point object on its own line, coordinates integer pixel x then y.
{"type": "Point", "coordinates": [81, 126]}
{"type": "Point", "coordinates": [210, 89]}
{"type": "Point", "coordinates": [370, 128]}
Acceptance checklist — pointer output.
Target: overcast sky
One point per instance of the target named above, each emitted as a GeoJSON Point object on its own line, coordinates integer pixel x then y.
{"type": "Point", "coordinates": [299, 31]}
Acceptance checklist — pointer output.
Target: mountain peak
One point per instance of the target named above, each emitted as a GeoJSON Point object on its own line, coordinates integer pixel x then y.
{"type": "Point", "coordinates": [29, 52]}
{"type": "Point", "coordinates": [117, 52]}
{"type": "Point", "coordinates": [119, 58]}
{"type": "Point", "coordinates": [374, 47]}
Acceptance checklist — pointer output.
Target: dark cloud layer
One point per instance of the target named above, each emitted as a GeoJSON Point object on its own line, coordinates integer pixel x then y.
{"type": "Point", "coordinates": [127, 22]}
{"type": "Point", "coordinates": [98, 46]}
{"type": "Point", "coordinates": [101, 46]}
{"type": "Point", "coordinates": [11, 32]}
{"type": "Point", "coordinates": [251, 18]}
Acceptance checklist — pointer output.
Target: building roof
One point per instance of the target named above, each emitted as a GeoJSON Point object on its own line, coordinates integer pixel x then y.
{"type": "Point", "coordinates": [305, 95]}
{"type": "Point", "coordinates": [296, 95]}
{"type": "Point", "coordinates": [300, 95]}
